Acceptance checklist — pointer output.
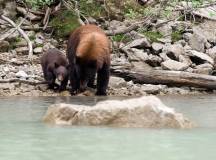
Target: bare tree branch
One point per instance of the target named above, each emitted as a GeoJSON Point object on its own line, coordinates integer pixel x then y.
{"type": "Point", "coordinates": [22, 33]}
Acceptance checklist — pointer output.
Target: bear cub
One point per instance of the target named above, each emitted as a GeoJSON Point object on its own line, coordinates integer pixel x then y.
{"type": "Point", "coordinates": [55, 69]}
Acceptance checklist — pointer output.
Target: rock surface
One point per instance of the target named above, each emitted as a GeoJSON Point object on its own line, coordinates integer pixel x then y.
{"type": "Point", "coordinates": [174, 65]}
{"type": "Point", "coordinates": [148, 112]}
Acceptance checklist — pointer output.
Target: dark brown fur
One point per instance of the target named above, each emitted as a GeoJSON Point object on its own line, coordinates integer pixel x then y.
{"type": "Point", "coordinates": [54, 65]}
{"type": "Point", "coordinates": [89, 53]}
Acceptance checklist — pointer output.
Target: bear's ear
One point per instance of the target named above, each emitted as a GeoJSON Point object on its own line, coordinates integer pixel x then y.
{"type": "Point", "coordinates": [56, 65]}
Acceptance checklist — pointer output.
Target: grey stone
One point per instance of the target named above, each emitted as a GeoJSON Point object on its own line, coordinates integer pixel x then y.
{"type": "Point", "coordinates": [201, 56]}
{"type": "Point", "coordinates": [38, 41]}
{"type": "Point", "coordinates": [23, 50]}
{"type": "Point", "coordinates": [197, 40]}
{"type": "Point", "coordinates": [148, 112]}
{"type": "Point", "coordinates": [7, 86]}
{"type": "Point", "coordinates": [174, 51]}
{"type": "Point", "coordinates": [4, 46]}
{"type": "Point", "coordinates": [152, 89]}
{"type": "Point", "coordinates": [206, 71]}
{"type": "Point", "coordinates": [157, 47]}
{"type": "Point", "coordinates": [174, 65]}
{"type": "Point", "coordinates": [139, 43]}
{"type": "Point", "coordinates": [187, 36]}
{"type": "Point", "coordinates": [185, 59]}
{"type": "Point", "coordinates": [212, 52]}
{"type": "Point", "coordinates": [117, 82]}
{"type": "Point", "coordinates": [137, 55]}
{"type": "Point", "coordinates": [153, 60]}
{"type": "Point", "coordinates": [38, 50]}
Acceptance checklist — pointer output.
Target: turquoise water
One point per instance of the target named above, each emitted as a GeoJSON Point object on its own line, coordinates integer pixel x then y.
{"type": "Point", "coordinates": [24, 137]}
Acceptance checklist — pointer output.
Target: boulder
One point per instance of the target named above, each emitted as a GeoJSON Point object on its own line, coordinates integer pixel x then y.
{"type": "Point", "coordinates": [139, 43]}
{"type": "Point", "coordinates": [153, 60]}
{"type": "Point", "coordinates": [38, 50]}
{"type": "Point", "coordinates": [197, 40]}
{"type": "Point", "coordinates": [148, 112]}
{"type": "Point", "coordinates": [200, 56]}
{"type": "Point", "coordinates": [136, 55]}
{"type": "Point", "coordinates": [212, 52]}
{"type": "Point", "coordinates": [157, 47]}
{"type": "Point", "coordinates": [174, 65]}
{"type": "Point", "coordinates": [174, 51]}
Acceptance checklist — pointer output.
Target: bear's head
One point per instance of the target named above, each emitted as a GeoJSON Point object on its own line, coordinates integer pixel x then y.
{"type": "Point", "coordinates": [61, 73]}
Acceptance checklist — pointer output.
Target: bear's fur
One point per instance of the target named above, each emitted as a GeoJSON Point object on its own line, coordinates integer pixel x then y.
{"type": "Point", "coordinates": [54, 65]}
{"type": "Point", "coordinates": [88, 53]}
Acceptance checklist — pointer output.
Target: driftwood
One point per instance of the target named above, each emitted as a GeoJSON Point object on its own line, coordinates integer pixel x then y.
{"type": "Point", "coordinates": [170, 78]}
{"type": "Point", "coordinates": [17, 27]}
{"type": "Point", "coordinates": [134, 26]}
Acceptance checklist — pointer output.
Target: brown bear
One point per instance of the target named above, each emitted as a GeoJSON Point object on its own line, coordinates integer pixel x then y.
{"type": "Point", "coordinates": [55, 69]}
{"type": "Point", "coordinates": [88, 52]}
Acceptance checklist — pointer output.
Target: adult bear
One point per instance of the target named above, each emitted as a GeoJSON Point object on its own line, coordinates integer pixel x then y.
{"type": "Point", "coordinates": [88, 52]}
{"type": "Point", "coordinates": [54, 65]}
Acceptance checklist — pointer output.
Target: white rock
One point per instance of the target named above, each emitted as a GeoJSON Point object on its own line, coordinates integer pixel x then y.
{"type": "Point", "coordinates": [148, 112]}
{"type": "Point", "coordinates": [38, 50]}
{"type": "Point", "coordinates": [22, 74]}
{"type": "Point", "coordinates": [6, 69]}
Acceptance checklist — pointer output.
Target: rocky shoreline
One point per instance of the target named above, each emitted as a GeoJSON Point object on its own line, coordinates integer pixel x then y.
{"type": "Point", "coordinates": [194, 52]}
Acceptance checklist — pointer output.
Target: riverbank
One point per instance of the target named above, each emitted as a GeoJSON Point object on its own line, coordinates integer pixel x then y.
{"type": "Point", "coordinates": [159, 43]}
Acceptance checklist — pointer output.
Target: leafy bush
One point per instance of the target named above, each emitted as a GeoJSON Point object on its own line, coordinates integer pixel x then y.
{"type": "Point", "coordinates": [39, 3]}
{"type": "Point", "coordinates": [64, 23]}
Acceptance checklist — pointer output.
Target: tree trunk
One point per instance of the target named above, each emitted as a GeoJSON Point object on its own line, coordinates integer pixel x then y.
{"type": "Point", "coordinates": [169, 78]}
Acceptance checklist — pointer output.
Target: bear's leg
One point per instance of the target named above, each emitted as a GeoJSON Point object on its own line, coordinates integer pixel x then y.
{"type": "Point", "coordinates": [74, 72]}
{"type": "Point", "coordinates": [50, 79]}
{"type": "Point", "coordinates": [88, 75]}
{"type": "Point", "coordinates": [92, 79]}
{"type": "Point", "coordinates": [63, 84]}
{"type": "Point", "coordinates": [103, 80]}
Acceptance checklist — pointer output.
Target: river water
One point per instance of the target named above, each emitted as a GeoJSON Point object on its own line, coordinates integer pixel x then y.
{"type": "Point", "coordinates": [24, 137]}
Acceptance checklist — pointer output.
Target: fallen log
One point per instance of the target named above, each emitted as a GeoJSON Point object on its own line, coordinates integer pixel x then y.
{"type": "Point", "coordinates": [169, 78]}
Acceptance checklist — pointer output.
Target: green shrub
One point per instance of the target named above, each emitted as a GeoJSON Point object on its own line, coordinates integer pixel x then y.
{"type": "Point", "coordinates": [64, 23]}
{"type": "Point", "coordinates": [121, 38]}
{"type": "Point", "coordinates": [153, 36]}
{"type": "Point", "coordinates": [38, 3]}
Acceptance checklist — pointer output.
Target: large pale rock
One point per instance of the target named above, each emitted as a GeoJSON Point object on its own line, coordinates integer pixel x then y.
{"type": "Point", "coordinates": [174, 65]}
{"type": "Point", "coordinates": [147, 112]}
{"type": "Point", "coordinates": [197, 40]}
